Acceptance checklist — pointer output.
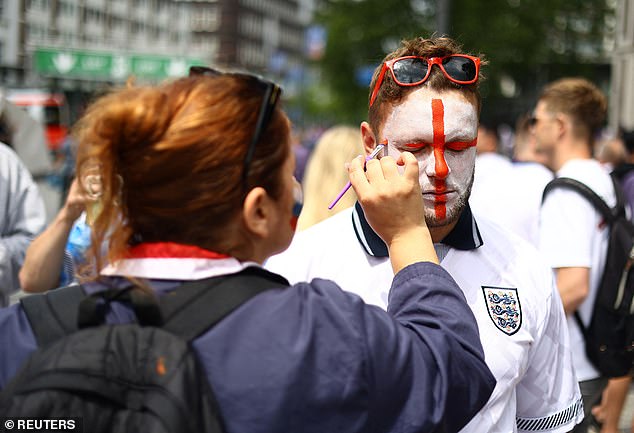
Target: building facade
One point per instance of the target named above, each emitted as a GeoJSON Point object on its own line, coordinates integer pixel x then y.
{"type": "Point", "coordinates": [622, 92]}
{"type": "Point", "coordinates": [87, 42]}
{"type": "Point", "coordinates": [262, 36]}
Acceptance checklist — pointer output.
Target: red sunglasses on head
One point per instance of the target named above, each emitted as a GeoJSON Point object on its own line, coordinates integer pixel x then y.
{"type": "Point", "coordinates": [415, 70]}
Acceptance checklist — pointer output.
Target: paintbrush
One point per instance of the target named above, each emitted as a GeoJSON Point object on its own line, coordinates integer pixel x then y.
{"type": "Point", "coordinates": [374, 153]}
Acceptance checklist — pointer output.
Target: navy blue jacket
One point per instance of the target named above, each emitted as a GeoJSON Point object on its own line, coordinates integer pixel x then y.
{"type": "Point", "coordinates": [313, 358]}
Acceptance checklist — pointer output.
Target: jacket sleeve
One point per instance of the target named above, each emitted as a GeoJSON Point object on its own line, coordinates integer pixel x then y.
{"type": "Point", "coordinates": [426, 368]}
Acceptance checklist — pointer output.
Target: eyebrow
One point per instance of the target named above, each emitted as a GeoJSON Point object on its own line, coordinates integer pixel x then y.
{"type": "Point", "coordinates": [462, 136]}
{"type": "Point", "coordinates": [413, 140]}
{"type": "Point", "coordinates": [419, 143]}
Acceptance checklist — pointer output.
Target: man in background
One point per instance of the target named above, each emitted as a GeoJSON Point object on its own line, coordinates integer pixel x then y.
{"type": "Point", "coordinates": [525, 185]}
{"type": "Point", "coordinates": [22, 217]}
{"type": "Point", "coordinates": [573, 236]}
{"type": "Point", "coordinates": [625, 172]}
{"type": "Point", "coordinates": [492, 175]}
{"type": "Point", "coordinates": [26, 136]}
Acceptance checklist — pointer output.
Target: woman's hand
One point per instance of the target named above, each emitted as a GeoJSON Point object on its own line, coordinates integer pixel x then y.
{"type": "Point", "coordinates": [75, 203]}
{"type": "Point", "coordinates": [393, 205]}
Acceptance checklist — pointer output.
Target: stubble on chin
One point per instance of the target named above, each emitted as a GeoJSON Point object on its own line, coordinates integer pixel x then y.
{"type": "Point", "coordinates": [453, 212]}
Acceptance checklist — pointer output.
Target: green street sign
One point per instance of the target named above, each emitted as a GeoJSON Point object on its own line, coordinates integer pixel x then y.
{"type": "Point", "coordinates": [73, 63]}
{"type": "Point", "coordinates": [160, 67]}
{"type": "Point", "coordinates": [109, 66]}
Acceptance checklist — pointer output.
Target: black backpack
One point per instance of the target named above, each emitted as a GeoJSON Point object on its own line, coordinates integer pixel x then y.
{"type": "Point", "coordinates": [129, 377]}
{"type": "Point", "coordinates": [609, 338]}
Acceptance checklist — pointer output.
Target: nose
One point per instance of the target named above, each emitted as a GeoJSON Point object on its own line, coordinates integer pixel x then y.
{"type": "Point", "coordinates": [435, 164]}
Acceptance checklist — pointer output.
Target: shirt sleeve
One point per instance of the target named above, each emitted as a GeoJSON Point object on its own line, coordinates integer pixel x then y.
{"type": "Point", "coordinates": [548, 397]}
{"type": "Point", "coordinates": [564, 220]}
{"type": "Point", "coordinates": [426, 368]}
{"type": "Point", "coordinates": [23, 218]}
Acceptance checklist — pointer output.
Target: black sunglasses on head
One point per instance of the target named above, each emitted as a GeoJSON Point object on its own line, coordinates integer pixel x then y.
{"type": "Point", "coordinates": [272, 94]}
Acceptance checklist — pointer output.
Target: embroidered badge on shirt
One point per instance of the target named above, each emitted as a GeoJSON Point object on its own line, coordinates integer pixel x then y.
{"type": "Point", "coordinates": [503, 305]}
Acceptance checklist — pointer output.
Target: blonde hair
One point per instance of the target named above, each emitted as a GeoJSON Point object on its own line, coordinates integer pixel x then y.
{"type": "Point", "coordinates": [326, 175]}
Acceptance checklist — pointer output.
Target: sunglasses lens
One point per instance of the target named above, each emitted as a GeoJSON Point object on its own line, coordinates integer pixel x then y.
{"type": "Point", "coordinates": [460, 68]}
{"type": "Point", "coordinates": [409, 71]}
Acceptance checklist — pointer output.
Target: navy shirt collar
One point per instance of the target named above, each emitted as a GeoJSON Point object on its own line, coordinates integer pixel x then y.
{"type": "Point", "coordinates": [464, 236]}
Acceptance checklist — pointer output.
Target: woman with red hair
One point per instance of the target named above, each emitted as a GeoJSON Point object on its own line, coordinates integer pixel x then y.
{"type": "Point", "coordinates": [196, 182]}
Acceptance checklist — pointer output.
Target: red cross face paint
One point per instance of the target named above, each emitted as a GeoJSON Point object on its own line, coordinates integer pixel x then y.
{"type": "Point", "coordinates": [440, 129]}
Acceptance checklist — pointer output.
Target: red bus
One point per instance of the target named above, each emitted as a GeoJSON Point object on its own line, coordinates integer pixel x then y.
{"type": "Point", "coordinates": [48, 108]}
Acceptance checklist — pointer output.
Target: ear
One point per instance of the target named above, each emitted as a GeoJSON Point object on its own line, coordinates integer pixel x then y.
{"type": "Point", "coordinates": [257, 212]}
{"type": "Point", "coordinates": [564, 124]}
{"type": "Point", "coordinates": [369, 140]}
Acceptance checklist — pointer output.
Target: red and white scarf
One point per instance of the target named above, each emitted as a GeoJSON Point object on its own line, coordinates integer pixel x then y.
{"type": "Point", "coordinates": [172, 261]}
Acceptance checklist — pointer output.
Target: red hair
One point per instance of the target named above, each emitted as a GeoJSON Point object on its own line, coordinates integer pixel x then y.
{"type": "Point", "coordinates": [171, 160]}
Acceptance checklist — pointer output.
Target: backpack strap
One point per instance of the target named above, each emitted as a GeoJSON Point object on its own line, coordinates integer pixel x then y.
{"type": "Point", "coordinates": [599, 204]}
{"type": "Point", "coordinates": [53, 314]}
{"type": "Point", "coordinates": [620, 196]}
{"type": "Point", "coordinates": [93, 308]}
{"type": "Point", "coordinates": [581, 188]}
{"type": "Point", "coordinates": [610, 214]}
{"type": "Point", "coordinates": [195, 307]}
{"type": "Point", "coordinates": [188, 311]}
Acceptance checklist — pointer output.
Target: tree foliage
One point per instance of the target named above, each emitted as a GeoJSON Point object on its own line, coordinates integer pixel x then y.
{"type": "Point", "coordinates": [526, 42]}
{"type": "Point", "coordinates": [359, 33]}
{"type": "Point", "coordinates": [532, 42]}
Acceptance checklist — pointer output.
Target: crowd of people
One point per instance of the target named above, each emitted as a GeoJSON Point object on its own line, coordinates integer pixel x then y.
{"type": "Point", "coordinates": [439, 294]}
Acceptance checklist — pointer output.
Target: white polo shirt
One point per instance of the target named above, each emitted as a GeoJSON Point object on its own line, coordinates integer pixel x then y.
{"type": "Point", "coordinates": [506, 284]}
{"type": "Point", "coordinates": [573, 234]}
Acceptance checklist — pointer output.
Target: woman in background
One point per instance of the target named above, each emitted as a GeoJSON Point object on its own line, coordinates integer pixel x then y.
{"type": "Point", "coordinates": [325, 174]}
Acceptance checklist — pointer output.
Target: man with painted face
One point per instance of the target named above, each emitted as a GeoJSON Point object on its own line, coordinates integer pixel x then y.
{"type": "Point", "coordinates": [425, 100]}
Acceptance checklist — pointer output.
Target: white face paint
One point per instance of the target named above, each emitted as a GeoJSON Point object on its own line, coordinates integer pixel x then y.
{"type": "Point", "coordinates": [440, 129]}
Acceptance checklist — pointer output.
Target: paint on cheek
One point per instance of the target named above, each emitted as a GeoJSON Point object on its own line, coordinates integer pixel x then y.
{"type": "Point", "coordinates": [298, 203]}
{"type": "Point", "coordinates": [441, 168]}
